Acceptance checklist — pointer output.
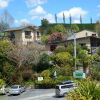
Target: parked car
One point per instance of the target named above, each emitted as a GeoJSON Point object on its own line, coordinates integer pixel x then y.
{"type": "Point", "coordinates": [2, 89]}
{"type": "Point", "coordinates": [67, 82]}
{"type": "Point", "coordinates": [64, 87]}
{"type": "Point", "coordinates": [16, 89]}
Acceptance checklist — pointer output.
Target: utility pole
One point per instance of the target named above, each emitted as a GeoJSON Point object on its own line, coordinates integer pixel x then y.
{"type": "Point", "coordinates": [75, 49]}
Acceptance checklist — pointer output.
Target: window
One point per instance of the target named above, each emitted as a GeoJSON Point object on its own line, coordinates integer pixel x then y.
{"type": "Point", "coordinates": [38, 35]}
{"type": "Point", "coordinates": [94, 35]}
{"type": "Point", "coordinates": [28, 34]}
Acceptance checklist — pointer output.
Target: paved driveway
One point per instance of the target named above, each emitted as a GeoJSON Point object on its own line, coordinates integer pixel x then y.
{"type": "Point", "coordinates": [35, 94]}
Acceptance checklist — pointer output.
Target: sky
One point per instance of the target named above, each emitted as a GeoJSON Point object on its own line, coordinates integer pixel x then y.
{"type": "Point", "coordinates": [33, 11]}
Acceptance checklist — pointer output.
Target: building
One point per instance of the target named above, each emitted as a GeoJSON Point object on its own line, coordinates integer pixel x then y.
{"type": "Point", "coordinates": [24, 35]}
{"type": "Point", "coordinates": [86, 38]}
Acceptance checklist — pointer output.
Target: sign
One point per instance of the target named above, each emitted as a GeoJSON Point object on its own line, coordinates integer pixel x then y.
{"type": "Point", "coordinates": [79, 74]}
{"type": "Point", "coordinates": [40, 78]}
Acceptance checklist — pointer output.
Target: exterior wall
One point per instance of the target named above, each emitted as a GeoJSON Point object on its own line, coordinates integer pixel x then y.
{"type": "Point", "coordinates": [25, 40]}
{"type": "Point", "coordinates": [37, 36]}
{"type": "Point", "coordinates": [81, 41]}
{"type": "Point", "coordinates": [18, 37]}
{"type": "Point", "coordinates": [85, 33]}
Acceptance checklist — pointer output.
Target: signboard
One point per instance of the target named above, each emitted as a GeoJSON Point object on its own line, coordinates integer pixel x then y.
{"type": "Point", "coordinates": [79, 74]}
{"type": "Point", "coordinates": [40, 78]}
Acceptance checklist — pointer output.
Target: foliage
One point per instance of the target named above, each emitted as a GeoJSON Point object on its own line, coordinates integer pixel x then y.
{"type": "Point", "coordinates": [44, 39]}
{"type": "Point", "coordinates": [61, 71]}
{"type": "Point", "coordinates": [60, 28]}
{"type": "Point", "coordinates": [2, 82]}
{"type": "Point", "coordinates": [55, 37]}
{"type": "Point", "coordinates": [62, 59]}
{"type": "Point", "coordinates": [98, 51]}
{"type": "Point", "coordinates": [60, 49]}
{"type": "Point", "coordinates": [74, 28]}
{"type": "Point", "coordinates": [43, 63]}
{"type": "Point", "coordinates": [87, 90]}
{"type": "Point", "coordinates": [45, 74]}
{"type": "Point", "coordinates": [85, 59]}
{"type": "Point", "coordinates": [44, 22]}
{"type": "Point", "coordinates": [97, 27]}
{"type": "Point", "coordinates": [70, 49]}
{"type": "Point", "coordinates": [44, 26]}
{"type": "Point", "coordinates": [24, 56]}
{"type": "Point", "coordinates": [95, 72]}
{"type": "Point", "coordinates": [46, 83]}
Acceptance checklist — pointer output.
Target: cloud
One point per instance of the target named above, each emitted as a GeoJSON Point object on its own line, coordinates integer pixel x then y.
{"type": "Point", "coordinates": [74, 12]}
{"type": "Point", "coordinates": [98, 6]}
{"type": "Point", "coordinates": [40, 13]}
{"type": "Point", "coordinates": [37, 11]}
{"type": "Point", "coordinates": [49, 17]}
{"type": "Point", "coordinates": [31, 3]}
{"type": "Point", "coordinates": [22, 22]}
{"type": "Point", "coordinates": [4, 3]}
{"type": "Point", "coordinates": [76, 21]}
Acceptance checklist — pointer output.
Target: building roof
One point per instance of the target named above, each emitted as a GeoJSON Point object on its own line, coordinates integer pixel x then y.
{"type": "Point", "coordinates": [82, 34]}
{"type": "Point", "coordinates": [20, 28]}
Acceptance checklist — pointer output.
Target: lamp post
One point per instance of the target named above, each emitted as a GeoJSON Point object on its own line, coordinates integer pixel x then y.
{"type": "Point", "coordinates": [74, 50]}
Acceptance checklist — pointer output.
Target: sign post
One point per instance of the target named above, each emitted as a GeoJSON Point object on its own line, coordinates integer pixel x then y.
{"type": "Point", "coordinates": [79, 74]}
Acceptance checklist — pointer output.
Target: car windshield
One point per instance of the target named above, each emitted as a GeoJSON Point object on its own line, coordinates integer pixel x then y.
{"type": "Point", "coordinates": [67, 82]}
{"type": "Point", "coordinates": [14, 86]}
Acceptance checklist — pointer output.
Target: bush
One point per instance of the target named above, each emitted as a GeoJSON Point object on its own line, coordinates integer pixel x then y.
{"type": "Point", "coordinates": [87, 90]}
{"type": "Point", "coordinates": [46, 83]}
{"type": "Point", "coordinates": [2, 82]}
{"type": "Point", "coordinates": [45, 74]}
{"type": "Point", "coordinates": [95, 72]}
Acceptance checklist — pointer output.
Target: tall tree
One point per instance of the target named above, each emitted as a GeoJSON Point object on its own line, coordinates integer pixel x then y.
{"type": "Point", "coordinates": [56, 18]}
{"type": "Point", "coordinates": [80, 19]}
{"type": "Point", "coordinates": [63, 18]}
{"type": "Point", "coordinates": [44, 26]}
{"type": "Point", "coordinates": [91, 20]}
{"type": "Point", "coordinates": [70, 19]}
{"type": "Point", "coordinates": [97, 27]}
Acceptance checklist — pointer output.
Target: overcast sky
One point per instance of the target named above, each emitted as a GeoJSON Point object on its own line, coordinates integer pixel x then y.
{"type": "Point", "coordinates": [32, 11]}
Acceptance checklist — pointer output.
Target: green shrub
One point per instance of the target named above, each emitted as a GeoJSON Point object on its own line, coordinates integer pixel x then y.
{"type": "Point", "coordinates": [2, 82]}
{"type": "Point", "coordinates": [46, 83]}
{"type": "Point", "coordinates": [87, 90]}
{"type": "Point", "coordinates": [45, 73]}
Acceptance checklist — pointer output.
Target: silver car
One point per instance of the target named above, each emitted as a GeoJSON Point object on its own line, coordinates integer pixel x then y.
{"type": "Point", "coordinates": [64, 88]}
{"type": "Point", "coordinates": [16, 89]}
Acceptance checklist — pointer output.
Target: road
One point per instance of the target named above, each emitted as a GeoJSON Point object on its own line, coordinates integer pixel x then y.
{"type": "Point", "coordinates": [34, 94]}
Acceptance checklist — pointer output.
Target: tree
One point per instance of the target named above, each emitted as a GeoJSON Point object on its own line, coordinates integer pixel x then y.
{"type": "Point", "coordinates": [85, 59]}
{"type": "Point", "coordinates": [44, 26]}
{"type": "Point", "coordinates": [6, 66]}
{"type": "Point", "coordinates": [44, 22]}
{"type": "Point", "coordinates": [60, 28]}
{"type": "Point", "coordinates": [24, 55]}
{"type": "Point", "coordinates": [6, 20]}
{"type": "Point", "coordinates": [55, 37]}
{"type": "Point", "coordinates": [97, 27]}
{"type": "Point", "coordinates": [62, 59]}
{"type": "Point", "coordinates": [74, 28]}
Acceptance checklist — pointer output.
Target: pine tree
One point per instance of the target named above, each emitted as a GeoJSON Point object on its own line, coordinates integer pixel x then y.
{"type": "Point", "coordinates": [56, 18]}
{"type": "Point", "coordinates": [63, 18]}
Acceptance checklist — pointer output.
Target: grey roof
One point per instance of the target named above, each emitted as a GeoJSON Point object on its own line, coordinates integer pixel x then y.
{"type": "Point", "coordinates": [20, 28]}
{"type": "Point", "coordinates": [82, 34]}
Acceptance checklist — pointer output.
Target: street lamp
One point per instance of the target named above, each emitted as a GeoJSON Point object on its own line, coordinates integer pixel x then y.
{"type": "Point", "coordinates": [74, 50]}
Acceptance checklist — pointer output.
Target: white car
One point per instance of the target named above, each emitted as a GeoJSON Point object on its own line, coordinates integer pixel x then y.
{"type": "Point", "coordinates": [64, 88]}
{"type": "Point", "coordinates": [16, 89]}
